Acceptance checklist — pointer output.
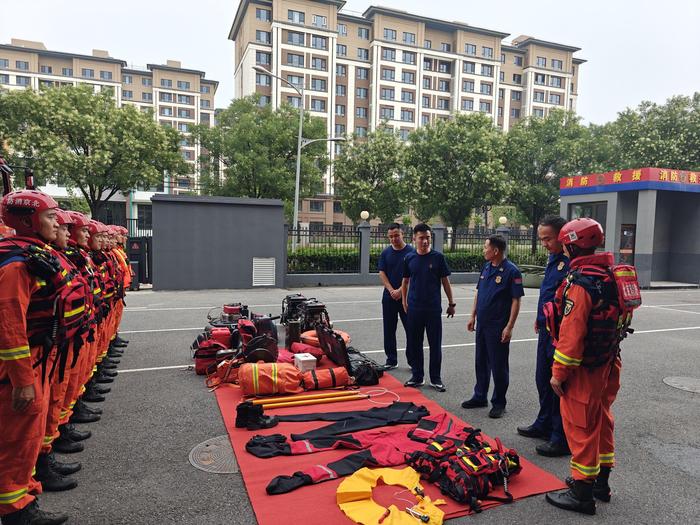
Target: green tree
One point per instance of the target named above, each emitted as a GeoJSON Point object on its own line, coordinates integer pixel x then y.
{"type": "Point", "coordinates": [257, 148]}
{"type": "Point", "coordinates": [538, 152]}
{"type": "Point", "coordinates": [368, 176]}
{"type": "Point", "coordinates": [455, 165]}
{"type": "Point", "coordinates": [81, 139]}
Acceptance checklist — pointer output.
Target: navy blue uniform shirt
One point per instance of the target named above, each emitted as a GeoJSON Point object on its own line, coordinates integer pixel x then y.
{"type": "Point", "coordinates": [498, 286]}
{"type": "Point", "coordinates": [391, 263]}
{"type": "Point", "coordinates": [554, 274]}
{"type": "Point", "coordinates": [426, 273]}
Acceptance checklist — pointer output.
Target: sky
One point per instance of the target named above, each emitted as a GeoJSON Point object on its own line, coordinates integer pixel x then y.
{"type": "Point", "coordinates": [636, 49]}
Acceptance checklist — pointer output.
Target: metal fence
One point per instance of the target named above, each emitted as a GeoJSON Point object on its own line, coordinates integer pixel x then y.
{"type": "Point", "coordinates": [464, 249]}
{"type": "Point", "coordinates": [136, 227]}
{"type": "Point", "coordinates": [378, 240]}
{"type": "Point", "coordinates": [323, 250]}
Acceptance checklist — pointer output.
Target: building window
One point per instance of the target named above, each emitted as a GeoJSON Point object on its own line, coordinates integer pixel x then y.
{"type": "Point", "coordinates": [22, 65]}
{"type": "Point", "coordinates": [295, 80]}
{"type": "Point", "coordinates": [319, 21]}
{"type": "Point", "coordinates": [444, 67]}
{"type": "Point", "coordinates": [203, 103]}
{"type": "Point", "coordinates": [516, 95]}
{"type": "Point", "coordinates": [147, 97]}
{"type": "Point", "coordinates": [388, 74]}
{"type": "Point", "coordinates": [337, 208]}
{"type": "Point", "coordinates": [470, 49]}
{"type": "Point", "coordinates": [486, 70]}
{"type": "Point", "coordinates": [296, 17]}
{"type": "Point", "coordinates": [262, 14]}
{"type": "Point", "coordinates": [362, 73]}
{"type": "Point", "coordinates": [468, 104]}
{"type": "Point", "coordinates": [485, 107]}
{"type": "Point", "coordinates": [518, 60]}
{"type": "Point", "coordinates": [145, 216]}
{"type": "Point", "coordinates": [409, 38]}
{"type": "Point", "coordinates": [514, 113]}
{"type": "Point", "coordinates": [538, 96]}
{"type": "Point", "coordinates": [487, 52]}
{"type": "Point", "coordinates": [4, 63]}
{"type": "Point", "coordinates": [389, 34]}
{"type": "Point", "coordinates": [425, 119]}
{"type": "Point", "coordinates": [87, 73]}
{"type": "Point", "coordinates": [166, 82]}
{"type": "Point", "coordinates": [555, 99]}
{"type": "Point", "coordinates": [517, 79]}
{"type": "Point", "coordinates": [316, 206]}
{"type": "Point", "coordinates": [341, 70]}
{"type": "Point", "coordinates": [486, 89]}
{"type": "Point", "coordinates": [408, 96]}
{"type": "Point", "coordinates": [500, 111]}
{"type": "Point", "coordinates": [501, 76]}
{"type": "Point", "coordinates": [443, 85]}
{"type": "Point", "coordinates": [106, 75]}
{"type": "Point", "coordinates": [127, 79]}
{"type": "Point", "coordinates": [361, 112]}
{"type": "Point", "coordinates": [45, 69]}
{"type": "Point", "coordinates": [408, 77]}
{"type": "Point", "coordinates": [403, 134]}
{"type": "Point", "coordinates": [503, 58]}
{"type": "Point", "coordinates": [409, 58]}
{"type": "Point", "coordinates": [166, 97]}
{"type": "Point", "coordinates": [261, 58]}
{"type": "Point", "coordinates": [295, 102]}
{"type": "Point", "coordinates": [426, 82]}
{"type": "Point", "coordinates": [318, 84]}
{"type": "Point", "coordinates": [361, 93]}
{"type": "Point", "coordinates": [557, 64]}
{"type": "Point", "coordinates": [388, 54]}
{"type": "Point", "coordinates": [4, 79]}
{"type": "Point", "coordinates": [185, 99]}
{"type": "Point", "coordinates": [427, 64]}
{"type": "Point", "coordinates": [295, 60]}
{"type": "Point", "coordinates": [468, 86]}
{"type": "Point", "coordinates": [295, 38]}
{"type": "Point", "coordinates": [469, 67]}
{"type": "Point", "coordinates": [427, 44]}
{"type": "Point", "coordinates": [318, 63]}
{"type": "Point", "coordinates": [182, 84]}
{"type": "Point", "coordinates": [341, 50]}
{"type": "Point", "coordinates": [67, 71]}
{"type": "Point", "coordinates": [204, 89]}
{"type": "Point", "coordinates": [342, 29]}
{"type": "Point", "coordinates": [263, 101]}
{"type": "Point", "coordinates": [444, 46]}
{"type": "Point", "coordinates": [444, 104]}
{"type": "Point", "coordinates": [22, 81]}
{"type": "Point", "coordinates": [127, 94]}
{"type": "Point", "coordinates": [262, 80]}
{"type": "Point", "coordinates": [147, 81]}
{"type": "Point", "coordinates": [539, 79]}
{"type": "Point", "coordinates": [44, 83]}
{"type": "Point", "coordinates": [363, 33]}
{"type": "Point", "coordinates": [319, 42]}
{"type": "Point", "coordinates": [166, 112]}
{"type": "Point", "coordinates": [538, 112]}
{"type": "Point", "coordinates": [555, 81]}
{"type": "Point", "coordinates": [407, 115]}
{"type": "Point", "coordinates": [541, 62]}
{"type": "Point", "coordinates": [340, 90]}
{"type": "Point", "coordinates": [386, 94]}
{"type": "Point", "coordinates": [340, 110]}
{"type": "Point", "coordinates": [426, 101]}
{"type": "Point", "coordinates": [318, 104]}
{"type": "Point", "coordinates": [339, 130]}
{"type": "Point", "coordinates": [184, 127]}
{"type": "Point", "coordinates": [362, 53]}
{"type": "Point", "coordinates": [361, 131]}
{"type": "Point", "coordinates": [263, 37]}
{"type": "Point", "coordinates": [386, 113]}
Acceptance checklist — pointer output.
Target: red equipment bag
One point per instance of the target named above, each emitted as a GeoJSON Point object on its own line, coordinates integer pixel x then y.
{"type": "Point", "coordinates": [221, 335]}
{"type": "Point", "coordinates": [310, 338]}
{"type": "Point", "coordinates": [323, 378]}
{"type": "Point", "coordinates": [205, 356]}
{"type": "Point", "coordinates": [264, 379]}
{"type": "Point", "coordinates": [303, 348]}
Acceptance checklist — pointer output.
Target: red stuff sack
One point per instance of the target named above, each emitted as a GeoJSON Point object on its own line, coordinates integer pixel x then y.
{"type": "Point", "coordinates": [205, 356]}
{"type": "Point", "coordinates": [303, 348]}
{"type": "Point", "coordinates": [265, 379]}
{"type": "Point", "coordinates": [323, 378]}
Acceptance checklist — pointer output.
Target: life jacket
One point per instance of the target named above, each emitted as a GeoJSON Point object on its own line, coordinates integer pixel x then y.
{"type": "Point", "coordinates": [105, 288]}
{"type": "Point", "coordinates": [615, 294]}
{"type": "Point", "coordinates": [81, 260]}
{"type": "Point", "coordinates": [57, 310]}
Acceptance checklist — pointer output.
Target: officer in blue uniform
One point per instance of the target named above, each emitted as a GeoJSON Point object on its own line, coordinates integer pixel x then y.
{"type": "Point", "coordinates": [390, 268]}
{"type": "Point", "coordinates": [548, 424]}
{"type": "Point", "coordinates": [425, 270]}
{"type": "Point", "coordinates": [495, 310]}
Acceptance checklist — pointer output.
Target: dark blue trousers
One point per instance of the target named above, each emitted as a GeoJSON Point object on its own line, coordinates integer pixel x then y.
{"type": "Point", "coordinates": [548, 419]}
{"type": "Point", "coordinates": [491, 358]}
{"type": "Point", "coordinates": [430, 323]}
{"type": "Point", "coordinates": [392, 311]}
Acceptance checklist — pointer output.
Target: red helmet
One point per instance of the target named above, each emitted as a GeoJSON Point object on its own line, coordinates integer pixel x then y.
{"type": "Point", "coordinates": [95, 227]}
{"type": "Point", "coordinates": [19, 204]}
{"type": "Point", "coordinates": [64, 218]}
{"type": "Point", "coordinates": [583, 233]}
{"type": "Point", "coordinates": [79, 220]}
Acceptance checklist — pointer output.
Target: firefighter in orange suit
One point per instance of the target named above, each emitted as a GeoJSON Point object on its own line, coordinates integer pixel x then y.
{"type": "Point", "coordinates": [586, 373]}
{"type": "Point", "coordinates": [30, 276]}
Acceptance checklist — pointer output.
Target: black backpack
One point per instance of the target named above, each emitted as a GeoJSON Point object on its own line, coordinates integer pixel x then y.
{"type": "Point", "coordinates": [365, 371]}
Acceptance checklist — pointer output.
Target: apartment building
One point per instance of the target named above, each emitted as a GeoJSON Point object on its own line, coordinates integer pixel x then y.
{"type": "Point", "coordinates": [391, 66]}
{"type": "Point", "coordinates": [176, 97]}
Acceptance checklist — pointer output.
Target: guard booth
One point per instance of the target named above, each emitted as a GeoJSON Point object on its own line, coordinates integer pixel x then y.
{"type": "Point", "coordinates": [650, 216]}
{"type": "Point", "coordinates": [139, 253]}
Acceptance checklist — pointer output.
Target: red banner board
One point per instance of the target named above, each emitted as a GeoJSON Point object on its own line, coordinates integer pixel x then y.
{"type": "Point", "coordinates": [632, 176]}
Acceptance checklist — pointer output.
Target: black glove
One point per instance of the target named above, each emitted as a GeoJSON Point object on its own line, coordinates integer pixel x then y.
{"type": "Point", "coordinates": [284, 484]}
{"type": "Point", "coordinates": [268, 446]}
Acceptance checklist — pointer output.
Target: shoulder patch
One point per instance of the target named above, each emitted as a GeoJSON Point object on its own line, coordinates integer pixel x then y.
{"type": "Point", "coordinates": [561, 265]}
{"type": "Point", "coordinates": [568, 306]}
{"type": "Point", "coordinates": [518, 280]}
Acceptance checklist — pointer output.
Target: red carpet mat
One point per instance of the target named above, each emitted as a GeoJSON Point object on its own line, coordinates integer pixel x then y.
{"type": "Point", "coordinates": [317, 502]}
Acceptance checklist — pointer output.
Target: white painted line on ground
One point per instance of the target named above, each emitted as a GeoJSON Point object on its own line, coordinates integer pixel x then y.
{"type": "Point", "coordinates": [200, 328]}
{"type": "Point", "coordinates": [154, 368]}
{"type": "Point", "coordinates": [674, 309]}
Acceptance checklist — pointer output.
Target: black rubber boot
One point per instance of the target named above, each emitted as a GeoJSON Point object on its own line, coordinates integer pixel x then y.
{"type": "Point", "coordinates": [81, 414]}
{"type": "Point", "coordinates": [102, 379]}
{"type": "Point", "coordinates": [111, 360]}
{"type": "Point", "coordinates": [92, 396]}
{"type": "Point", "coordinates": [108, 364]}
{"type": "Point", "coordinates": [33, 515]}
{"type": "Point", "coordinates": [251, 417]}
{"type": "Point", "coordinates": [52, 481]}
{"type": "Point", "coordinates": [579, 498]}
{"type": "Point", "coordinates": [601, 487]}
{"type": "Point", "coordinates": [65, 469]}
{"type": "Point", "coordinates": [114, 352]}
{"type": "Point", "coordinates": [73, 433]}
{"type": "Point", "coordinates": [64, 445]}
{"type": "Point", "coordinates": [118, 342]}
{"type": "Point", "coordinates": [82, 406]}
{"type": "Point", "coordinates": [108, 372]}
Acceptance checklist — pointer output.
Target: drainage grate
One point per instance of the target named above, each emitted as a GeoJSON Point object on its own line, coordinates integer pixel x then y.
{"type": "Point", "coordinates": [215, 455]}
{"type": "Point", "coordinates": [689, 384]}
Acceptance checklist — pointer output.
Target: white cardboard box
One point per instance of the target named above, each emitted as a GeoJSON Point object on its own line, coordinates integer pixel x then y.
{"type": "Point", "coordinates": [305, 362]}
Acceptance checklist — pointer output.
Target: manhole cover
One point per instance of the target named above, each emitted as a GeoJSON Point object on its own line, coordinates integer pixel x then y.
{"type": "Point", "coordinates": [215, 455]}
{"type": "Point", "coordinates": [689, 384]}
